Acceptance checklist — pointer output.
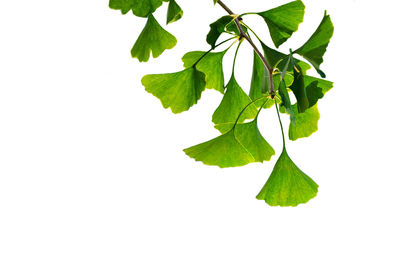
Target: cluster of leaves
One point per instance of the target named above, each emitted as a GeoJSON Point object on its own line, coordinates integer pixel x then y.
{"type": "Point", "coordinates": [275, 78]}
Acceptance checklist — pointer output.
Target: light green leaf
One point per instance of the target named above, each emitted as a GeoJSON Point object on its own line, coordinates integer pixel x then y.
{"type": "Point", "coordinates": [233, 102]}
{"type": "Point", "coordinates": [223, 151]}
{"type": "Point", "coordinates": [306, 123]}
{"type": "Point", "coordinates": [314, 49]}
{"type": "Point", "coordinates": [248, 145]}
{"type": "Point", "coordinates": [251, 138]}
{"type": "Point", "coordinates": [287, 185]}
{"type": "Point", "coordinates": [141, 8]}
{"type": "Point", "coordinates": [210, 65]}
{"type": "Point", "coordinates": [282, 21]}
{"type": "Point", "coordinates": [174, 13]}
{"type": "Point", "coordinates": [178, 91]}
{"type": "Point", "coordinates": [152, 39]}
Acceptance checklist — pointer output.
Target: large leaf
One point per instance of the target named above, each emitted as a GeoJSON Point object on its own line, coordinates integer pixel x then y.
{"type": "Point", "coordinates": [314, 49]}
{"type": "Point", "coordinates": [223, 151]}
{"type": "Point", "coordinates": [174, 13]}
{"type": "Point", "coordinates": [141, 8]}
{"type": "Point", "coordinates": [178, 91]}
{"type": "Point", "coordinates": [248, 145]}
{"type": "Point", "coordinates": [210, 65]}
{"type": "Point", "coordinates": [282, 21]}
{"type": "Point", "coordinates": [287, 184]}
{"type": "Point", "coordinates": [233, 102]}
{"type": "Point", "coordinates": [152, 39]}
{"type": "Point", "coordinates": [306, 123]}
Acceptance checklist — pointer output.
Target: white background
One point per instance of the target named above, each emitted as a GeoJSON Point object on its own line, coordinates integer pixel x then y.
{"type": "Point", "coordinates": [92, 171]}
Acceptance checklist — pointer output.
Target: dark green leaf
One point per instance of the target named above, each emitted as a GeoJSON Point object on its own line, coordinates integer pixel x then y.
{"type": "Point", "coordinates": [178, 91]}
{"type": "Point", "coordinates": [210, 65]}
{"type": "Point", "coordinates": [152, 39]}
{"type": "Point", "coordinates": [175, 12]}
{"type": "Point", "coordinates": [283, 21]}
{"type": "Point", "coordinates": [314, 49]}
{"type": "Point", "coordinates": [287, 184]}
{"type": "Point", "coordinates": [260, 81]}
{"type": "Point", "coordinates": [219, 27]}
{"type": "Point", "coordinates": [323, 84]}
{"type": "Point", "coordinates": [298, 89]}
{"type": "Point", "coordinates": [234, 101]}
{"type": "Point", "coordinates": [141, 8]}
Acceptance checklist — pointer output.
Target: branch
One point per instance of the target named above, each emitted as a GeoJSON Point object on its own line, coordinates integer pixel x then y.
{"type": "Point", "coordinates": [247, 37]}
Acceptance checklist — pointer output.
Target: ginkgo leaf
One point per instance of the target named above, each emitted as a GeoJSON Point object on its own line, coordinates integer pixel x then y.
{"type": "Point", "coordinates": [282, 21]}
{"type": "Point", "coordinates": [223, 151]}
{"type": "Point", "coordinates": [299, 89]}
{"type": "Point", "coordinates": [152, 39]}
{"type": "Point", "coordinates": [277, 59]}
{"type": "Point", "coordinates": [174, 12]}
{"type": "Point", "coordinates": [306, 123]}
{"type": "Point", "coordinates": [287, 185]}
{"type": "Point", "coordinates": [248, 145]}
{"type": "Point", "coordinates": [251, 138]}
{"type": "Point", "coordinates": [260, 81]}
{"type": "Point", "coordinates": [233, 102]}
{"type": "Point", "coordinates": [223, 24]}
{"type": "Point", "coordinates": [314, 93]}
{"type": "Point", "coordinates": [314, 49]}
{"type": "Point", "coordinates": [178, 91]}
{"type": "Point", "coordinates": [141, 8]}
{"type": "Point", "coordinates": [325, 85]}
{"type": "Point", "coordinates": [210, 65]}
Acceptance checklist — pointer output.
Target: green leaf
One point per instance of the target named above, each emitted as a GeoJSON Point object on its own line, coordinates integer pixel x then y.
{"type": "Point", "coordinates": [298, 89]}
{"type": "Point", "coordinates": [174, 13]}
{"type": "Point", "coordinates": [287, 185]}
{"type": "Point", "coordinates": [277, 59]}
{"type": "Point", "coordinates": [141, 8]}
{"type": "Point", "coordinates": [248, 145]}
{"type": "Point", "coordinates": [178, 91]}
{"type": "Point", "coordinates": [314, 93]}
{"type": "Point", "coordinates": [210, 65]}
{"type": "Point", "coordinates": [220, 26]}
{"type": "Point", "coordinates": [260, 82]}
{"type": "Point", "coordinates": [233, 102]}
{"type": "Point", "coordinates": [282, 21]}
{"type": "Point", "coordinates": [314, 49]}
{"type": "Point", "coordinates": [325, 85]}
{"type": "Point", "coordinates": [223, 151]}
{"type": "Point", "coordinates": [306, 123]}
{"type": "Point", "coordinates": [152, 39]}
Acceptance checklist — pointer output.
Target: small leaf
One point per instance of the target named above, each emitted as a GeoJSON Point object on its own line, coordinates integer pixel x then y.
{"type": "Point", "coordinates": [306, 123]}
{"type": "Point", "coordinates": [152, 39]}
{"type": "Point", "coordinates": [210, 65]}
{"type": "Point", "coordinates": [220, 26]}
{"type": "Point", "coordinates": [314, 93]}
{"type": "Point", "coordinates": [325, 85]}
{"type": "Point", "coordinates": [141, 8]}
{"type": "Point", "coordinates": [174, 13]}
{"type": "Point", "coordinates": [298, 89]}
{"type": "Point", "coordinates": [223, 151]}
{"type": "Point", "coordinates": [287, 185]}
{"type": "Point", "coordinates": [178, 91]}
{"type": "Point", "coordinates": [314, 49]}
{"type": "Point", "coordinates": [260, 82]}
{"type": "Point", "coordinates": [282, 21]}
{"type": "Point", "coordinates": [233, 102]}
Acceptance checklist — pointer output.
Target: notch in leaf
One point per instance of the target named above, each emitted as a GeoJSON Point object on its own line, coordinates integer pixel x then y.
{"type": "Point", "coordinates": [141, 8]}
{"type": "Point", "coordinates": [284, 20]}
{"type": "Point", "coordinates": [152, 39]}
{"type": "Point", "coordinates": [210, 65]}
{"type": "Point", "coordinates": [287, 185]}
{"type": "Point", "coordinates": [174, 13]}
{"type": "Point", "coordinates": [314, 49]}
{"type": "Point", "coordinates": [178, 91]}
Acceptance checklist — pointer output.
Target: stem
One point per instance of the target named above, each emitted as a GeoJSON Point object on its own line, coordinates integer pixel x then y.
{"type": "Point", "coordinates": [280, 122]}
{"type": "Point", "coordinates": [245, 36]}
{"type": "Point", "coordinates": [206, 53]}
{"type": "Point", "coordinates": [234, 59]}
{"type": "Point", "coordinates": [241, 112]}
